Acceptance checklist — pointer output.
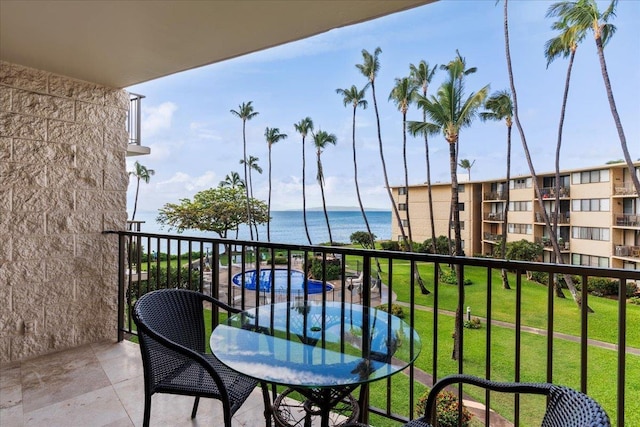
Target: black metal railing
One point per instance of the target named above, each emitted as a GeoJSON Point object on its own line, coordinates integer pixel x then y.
{"type": "Point", "coordinates": [516, 337]}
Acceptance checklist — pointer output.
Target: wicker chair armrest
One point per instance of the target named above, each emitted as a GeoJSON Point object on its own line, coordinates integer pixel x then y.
{"type": "Point", "coordinates": [528, 388]}
{"type": "Point", "coordinates": [223, 305]}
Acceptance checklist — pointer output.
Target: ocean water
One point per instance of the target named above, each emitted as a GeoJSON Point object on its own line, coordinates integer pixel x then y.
{"type": "Point", "coordinates": [288, 226]}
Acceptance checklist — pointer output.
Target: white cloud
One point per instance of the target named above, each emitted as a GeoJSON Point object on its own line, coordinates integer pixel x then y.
{"type": "Point", "coordinates": [156, 119]}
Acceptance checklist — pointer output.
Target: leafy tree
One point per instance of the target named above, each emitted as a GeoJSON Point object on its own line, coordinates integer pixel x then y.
{"type": "Point", "coordinates": [245, 112]}
{"type": "Point", "coordinates": [272, 135]}
{"type": "Point", "coordinates": [497, 108]}
{"type": "Point", "coordinates": [232, 180]}
{"type": "Point", "coordinates": [363, 238]}
{"type": "Point", "coordinates": [320, 141]}
{"type": "Point", "coordinates": [141, 173]}
{"type": "Point", "coordinates": [442, 245]}
{"type": "Point", "coordinates": [422, 75]}
{"type": "Point", "coordinates": [217, 209]}
{"type": "Point", "coordinates": [583, 16]}
{"type": "Point", "coordinates": [303, 127]}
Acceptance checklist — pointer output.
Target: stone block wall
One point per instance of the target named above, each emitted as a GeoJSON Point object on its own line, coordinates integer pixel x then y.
{"type": "Point", "coordinates": [63, 181]}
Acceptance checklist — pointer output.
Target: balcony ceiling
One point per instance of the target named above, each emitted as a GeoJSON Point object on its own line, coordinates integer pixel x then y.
{"type": "Point", "coordinates": [122, 43]}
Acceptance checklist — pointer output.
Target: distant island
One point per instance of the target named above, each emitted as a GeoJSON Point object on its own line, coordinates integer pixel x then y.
{"type": "Point", "coordinates": [339, 209]}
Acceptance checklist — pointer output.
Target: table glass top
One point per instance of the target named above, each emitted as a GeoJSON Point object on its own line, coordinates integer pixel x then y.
{"type": "Point", "coordinates": [315, 345]}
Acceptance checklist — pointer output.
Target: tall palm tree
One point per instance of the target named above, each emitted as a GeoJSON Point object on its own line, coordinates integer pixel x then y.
{"type": "Point", "coordinates": [585, 16]}
{"type": "Point", "coordinates": [252, 165]}
{"type": "Point", "coordinates": [565, 45]}
{"type": "Point", "coordinates": [320, 141]}
{"type": "Point", "coordinates": [525, 146]}
{"type": "Point", "coordinates": [141, 173]}
{"type": "Point", "coordinates": [467, 165]}
{"type": "Point", "coordinates": [272, 135]}
{"type": "Point", "coordinates": [450, 111]}
{"type": "Point", "coordinates": [402, 95]}
{"type": "Point", "coordinates": [245, 112]}
{"type": "Point", "coordinates": [232, 180]}
{"type": "Point", "coordinates": [422, 75]}
{"type": "Point", "coordinates": [355, 97]}
{"type": "Point", "coordinates": [498, 108]}
{"type": "Point", "coordinates": [303, 127]}
{"type": "Point", "coordinates": [369, 68]}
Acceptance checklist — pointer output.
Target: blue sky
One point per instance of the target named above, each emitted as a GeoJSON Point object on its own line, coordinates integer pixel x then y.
{"type": "Point", "coordinates": [195, 141]}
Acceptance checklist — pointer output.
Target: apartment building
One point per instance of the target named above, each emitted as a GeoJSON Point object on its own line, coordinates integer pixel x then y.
{"type": "Point", "coordinates": [598, 214]}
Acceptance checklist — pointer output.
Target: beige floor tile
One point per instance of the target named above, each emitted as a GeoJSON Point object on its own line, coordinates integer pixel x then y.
{"type": "Point", "coordinates": [97, 408]}
{"type": "Point", "coordinates": [61, 376]}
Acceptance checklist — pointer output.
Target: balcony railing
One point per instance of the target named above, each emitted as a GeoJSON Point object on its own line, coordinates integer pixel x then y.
{"type": "Point", "coordinates": [563, 217]}
{"type": "Point", "coordinates": [627, 220]}
{"type": "Point", "coordinates": [626, 189]}
{"type": "Point", "coordinates": [134, 118]}
{"type": "Point", "coordinates": [495, 195]}
{"type": "Point", "coordinates": [627, 251]}
{"type": "Point", "coordinates": [492, 237]}
{"type": "Point", "coordinates": [494, 216]}
{"type": "Point", "coordinates": [550, 192]}
{"type": "Point", "coordinates": [528, 347]}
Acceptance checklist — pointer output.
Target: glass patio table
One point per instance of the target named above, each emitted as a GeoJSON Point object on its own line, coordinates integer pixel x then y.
{"type": "Point", "coordinates": [319, 352]}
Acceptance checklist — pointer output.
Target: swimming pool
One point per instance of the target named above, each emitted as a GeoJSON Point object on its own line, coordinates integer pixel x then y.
{"type": "Point", "coordinates": [264, 281]}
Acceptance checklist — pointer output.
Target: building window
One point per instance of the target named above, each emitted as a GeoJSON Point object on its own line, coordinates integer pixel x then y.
{"type": "Point", "coordinates": [451, 224]}
{"type": "Point", "coordinates": [461, 207]}
{"type": "Point", "coordinates": [402, 191]}
{"type": "Point", "coordinates": [460, 188]}
{"type": "Point", "coordinates": [589, 260]}
{"type": "Point", "coordinates": [590, 233]}
{"type": "Point", "coordinates": [405, 222]}
{"type": "Point", "coordinates": [520, 228]}
{"type": "Point", "coordinates": [402, 206]}
{"type": "Point", "coordinates": [590, 205]}
{"type": "Point", "coordinates": [520, 206]}
{"type": "Point", "coordinates": [589, 177]}
{"type": "Point", "coordinates": [520, 183]}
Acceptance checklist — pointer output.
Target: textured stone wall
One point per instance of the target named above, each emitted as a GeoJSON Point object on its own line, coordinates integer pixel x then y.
{"type": "Point", "coordinates": [63, 181]}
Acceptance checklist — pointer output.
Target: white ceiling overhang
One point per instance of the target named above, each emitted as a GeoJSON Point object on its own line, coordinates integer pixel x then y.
{"type": "Point", "coordinates": [122, 43]}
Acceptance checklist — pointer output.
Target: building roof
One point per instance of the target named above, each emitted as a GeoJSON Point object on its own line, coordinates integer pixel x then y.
{"type": "Point", "coordinates": [122, 43]}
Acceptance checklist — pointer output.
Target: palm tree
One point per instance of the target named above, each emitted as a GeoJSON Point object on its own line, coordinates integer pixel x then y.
{"type": "Point", "coordinates": [303, 127]}
{"type": "Point", "coordinates": [141, 173]}
{"type": "Point", "coordinates": [467, 165]}
{"type": "Point", "coordinates": [584, 15]}
{"type": "Point", "coordinates": [565, 45]}
{"type": "Point", "coordinates": [272, 135]}
{"type": "Point", "coordinates": [245, 112]}
{"type": "Point", "coordinates": [422, 75]}
{"type": "Point", "coordinates": [499, 107]}
{"type": "Point", "coordinates": [355, 97]}
{"type": "Point", "coordinates": [232, 180]}
{"type": "Point", "coordinates": [450, 111]}
{"type": "Point", "coordinates": [525, 146]}
{"type": "Point", "coordinates": [252, 165]}
{"type": "Point", "coordinates": [320, 141]}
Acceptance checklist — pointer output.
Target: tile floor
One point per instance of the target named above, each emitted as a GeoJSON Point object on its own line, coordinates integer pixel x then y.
{"type": "Point", "coordinates": [100, 385]}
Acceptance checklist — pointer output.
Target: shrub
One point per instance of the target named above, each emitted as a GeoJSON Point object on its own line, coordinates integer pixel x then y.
{"type": "Point", "coordinates": [474, 323]}
{"type": "Point", "coordinates": [634, 300]}
{"type": "Point", "coordinates": [396, 309]}
{"type": "Point", "coordinates": [332, 269]}
{"type": "Point", "coordinates": [446, 409]}
{"type": "Point", "coordinates": [278, 260]}
{"type": "Point", "coordinates": [449, 277]}
{"type": "Point", "coordinates": [389, 245]}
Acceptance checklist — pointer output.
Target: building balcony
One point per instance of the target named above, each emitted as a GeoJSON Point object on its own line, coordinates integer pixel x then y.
{"type": "Point", "coordinates": [550, 192]}
{"type": "Point", "coordinates": [495, 196]}
{"type": "Point", "coordinates": [494, 216]}
{"type": "Point", "coordinates": [626, 220]}
{"type": "Point", "coordinates": [492, 237]}
{"type": "Point", "coordinates": [563, 218]}
{"type": "Point", "coordinates": [626, 251]}
{"type": "Point", "coordinates": [626, 189]}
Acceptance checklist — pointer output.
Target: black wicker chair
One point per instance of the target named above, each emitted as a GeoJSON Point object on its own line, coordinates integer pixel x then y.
{"type": "Point", "coordinates": [566, 407]}
{"type": "Point", "coordinates": [171, 331]}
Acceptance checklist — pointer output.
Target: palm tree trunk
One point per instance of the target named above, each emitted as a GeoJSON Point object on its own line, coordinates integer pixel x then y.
{"type": "Point", "coordinates": [326, 215]}
{"type": "Point", "coordinates": [616, 117]}
{"type": "Point", "coordinates": [304, 196]}
{"type": "Point", "coordinates": [554, 240]}
{"type": "Point", "coordinates": [135, 203]}
{"type": "Point", "coordinates": [269, 201]}
{"type": "Point", "coordinates": [429, 193]}
{"type": "Point", "coordinates": [355, 177]}
{"type": "Point", "coordinates": [246, 188]}
{"type": "Point", "coordinates": [384, 166]}
{"type": "Point", "coordinates": [505, 222]}
{"type": "Point", "coordinates": [457, 334]}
